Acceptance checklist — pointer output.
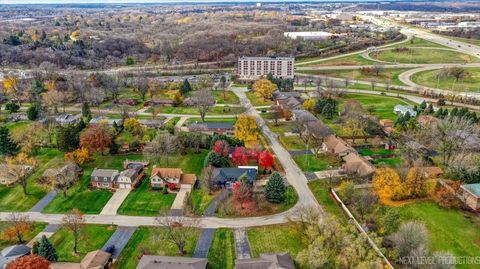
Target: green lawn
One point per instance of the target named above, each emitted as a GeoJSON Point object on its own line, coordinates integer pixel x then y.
{"type": "Point", "coordinates": [375, 151]}
{"type": "Point", "coordinates": [200, 200]}
{"type": "Point", "coordinates": [292, 142]}
{"type": "Point", "coordinates": [79, 196]}
{"type": "Point", "coordinates": [309, 163]}
{"type": "Point", "coordinates": [13, 199]}
{"type": "Point", "coordinates": [419, 42]}
{"type": "Point", "coordinates": [17, 127]}
{"type": "Point", "coordinates": [230, 97]}
{"type": "Point", "coordinates": [282, 127]}
{"type": "Point", "coordinates": [145, 202]}
{"type": "Point", "coordinates": [193, 120]}
{"type": "Point", "coordinates": [321, 192]}
{"type": "Point", "coordinates": [93, 238]}
{"type": "Point", "coordinates": [278, 238]}
{"type": "Point", "coordinates": [383, 105]}
{"type": "Point", "coordinates": [144, 241]}
{"type": "Point", "coordinates": [391, 162]}
{"type": "Point", "coordinates": [432, 79]}
{"type": "Point", "coordinates": [423, 56]}
{"type": "Point", "coordinates": [36, 227]}
{"type": "Point", "coordinates": [355, 59]}
{"type": "Point", "coordinates": [257, 101]}
{"type": "Point", "coordinates": [222, 251]}
{"type": "Point", "coordinates": [449, 229]}
{"type": "Point", "coordinates": [355, 74]}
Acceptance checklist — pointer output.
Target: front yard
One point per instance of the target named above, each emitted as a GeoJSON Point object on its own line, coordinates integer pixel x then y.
{"type": "Point", "coordinates": [36, 227]}
{"type": "Point", "coordinates": [256, 100]}
{"type": "Point", "coordinates": [145, 241]}
{"type": "Point", "coordinates": [292, 142]}
{"type": "Point", "coordinates": [222, 251]}
{"type": "Point", "coordinates": [93, 238]}
{"type": "Point", "coordinates": [310, 163]}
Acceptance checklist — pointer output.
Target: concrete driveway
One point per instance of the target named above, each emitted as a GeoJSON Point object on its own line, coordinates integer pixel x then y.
{"type": "Point", "coordinates": [119, 240]}
{"type": "Point", "coordinates": [115, 202]}
{"type": "Point", "coordinates": [48, 232]}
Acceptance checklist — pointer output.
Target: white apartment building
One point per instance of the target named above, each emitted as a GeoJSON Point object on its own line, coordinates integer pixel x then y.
{"type": "Point", "coordinates": [251, 68]}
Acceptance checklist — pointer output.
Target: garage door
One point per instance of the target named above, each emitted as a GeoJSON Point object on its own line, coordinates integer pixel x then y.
{"type": "Point", "coordinates": [122, 186]}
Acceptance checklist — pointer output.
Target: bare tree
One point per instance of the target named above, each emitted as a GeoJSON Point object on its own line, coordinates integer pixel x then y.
{"type": "Point", "coordinates": [203, 100]}
{"type": "Point", "coordinates": [276, 113]}
{"type": "Point", "coordinates": [140, 85]}
{"type": "Point", "coordinates": [74, 222]}
{"type": "Point", "coordinates": [373, 84]}
{"type": "Point", "coordinates": [388, 83]}
{"type": "Point", "coordinates": [160, 147]}
{"type": "Point", "coordinates": [347, 82]}
{"type": "Point", "coordinates": [176, 229]}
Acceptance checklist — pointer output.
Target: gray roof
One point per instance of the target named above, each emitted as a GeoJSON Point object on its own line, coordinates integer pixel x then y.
{"type": "Point", "coordinates": [284, 95]}
{"type": "Point", "coordinates": [267, 261]}
{"type": "Point", "coordinates": [318, 129]}
{"type": "Point", "coordinates": [130, 173]}
{"type": "Point", "coordinates": [9, 254]}
{"type": "Point", "coordinates": [305, 116]}
{"type": "Point", "coordinates": [232, 174]}
{"type": "Point", "coordinates": [167, 262]}
{"type": "Point", "coordinates": [109, 173]}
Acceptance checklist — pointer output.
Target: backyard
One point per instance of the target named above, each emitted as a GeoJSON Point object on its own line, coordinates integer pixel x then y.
{"type": "Point", "coordinates": [310, 163]}
{"type": "Point", "coordinates": [147, 241]}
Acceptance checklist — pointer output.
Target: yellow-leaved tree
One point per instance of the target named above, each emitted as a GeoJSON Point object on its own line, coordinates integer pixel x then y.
{"type": "Point", "coordinates": [387, 183]}
{"type": "Point", "coordinates": [78, 156]}
{"type": "Point", "coordinates": [417, 184]}
{"type": "Point", "coordinates": [246, 129]}
{"type": "Point", "coordinates": [264, 88]}
{"type": "Point", "coordinates": [309, 104]}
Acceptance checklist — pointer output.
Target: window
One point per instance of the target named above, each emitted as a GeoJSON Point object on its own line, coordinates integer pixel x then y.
{"type": "Point", "coordinates": [105, 184]}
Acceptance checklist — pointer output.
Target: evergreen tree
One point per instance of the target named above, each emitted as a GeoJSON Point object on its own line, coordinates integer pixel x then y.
{"type": "Point", "coordinates": [68, 137]}
{"type": "Point", "coordinates": [86, 112]}
{"type": "Point", "coordinates": [454, 112]}
{"type": "Point", "coordinates": [32, 112]}
{"type": "Point", "coordinates": [445, 113]}
{"type": "Point", "coordinates": [35, 246]}
{"type": "Point", "coordinates": [215, 160]}
{"type": "Point", "coordinates": [186, 87]}
{"type": "Point", "coordinates": [12, 107]}
{"type": "Point", "coordinates": [423, 105]}
{"type": "Point", "coordinates": [275, 189]}
{"type": "Point", "coordinates": [7, 145]}
{"type": "Point", "coordinates": [430, 109]}
{"type": "Point", "coordinates": [439, 113]}
{"type": "Point", "coordinates": [46, 250]}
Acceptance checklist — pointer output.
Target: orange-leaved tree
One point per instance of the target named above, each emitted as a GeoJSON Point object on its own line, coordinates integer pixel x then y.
{"type": "Point", "coordinates": [387, 183]}
{"type": "Point", "coordinates": [29, 262]}
{"type": "Point", "coordinates": [96, 138]}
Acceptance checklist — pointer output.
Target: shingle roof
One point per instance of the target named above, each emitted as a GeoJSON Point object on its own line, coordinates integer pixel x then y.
{"type": "Point", "coordinates": [214, 125]}
{"type": "Point", "coordinates": [267, 261]}
{"type": "Point", "coordinates": [223, 174]}
{"type": "Point", "coordinates": [95, 259]}
{"type": "Point", "coordinates": [104, 172]}
{"type": "Point", "coordinates": [166, 262]}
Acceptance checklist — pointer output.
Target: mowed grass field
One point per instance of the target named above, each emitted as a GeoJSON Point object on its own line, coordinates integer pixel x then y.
{"type": "Point", "coordinates": [423, 56]}
{"type": "Point", "coordinates": [382, 105]}
{"type": "Point", "coordinates": [431, 78]}
{"type": "Point", "coordinates": [355, 59]}
{"type": "Point", "coordinates": [222, 251]}
{"type": "Point", "coordinates": [448, 229]}
{"type": "Point", "coordinates": [355, 74]}
{"type": "Point", "coordinates": [93, 238]}
{"type": "Point", "coordinates": [148, 241]}
{"type": "Point", "coordinates": [35, 228]}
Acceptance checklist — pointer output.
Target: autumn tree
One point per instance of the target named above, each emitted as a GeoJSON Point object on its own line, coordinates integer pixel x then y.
{"type": "Point", "coordinates": [74, 223]}
{"type": "Point", "coordinates": [387, 183]}
{"type": "Point", "coordinates": [78, 156]}
{"type": "Point", "coordinates": [246, 129]}
{"type": "Point", "coordinates": [265, 159]}
{"type": "Point", "coordinates": [18, 226]}
{"type": "Point", "coordinates": [243, 190]}
{"type": "Point", "coordinates": [20, 167]}
{"type": "Point", "coordinates": [416, 184]}
{"type": "Point", "coordinates": [276, 113]}
{"type": "Point", "coordinates": [52, 99]}
{"type": "Point", "coordinates": [239, 156]}
{"type": "Point", "coordinates": [264, 88]}
{"type": "Point", "coordinates": [29, 262]}
{"type": "Point", "coordinates": [203, 100]}
{"type": "Point", "coordinates": [221, 148]}
{"type": "Point", "coordinates": [275, 188]}
{"type": "Point", "coordinates": [31, 139]}
{"type": "Point", "coordinates": [309, 104]}
{"type": "Point", "coordinates": [178, 230]}
{"type": "Point", "coordinates": [133, 126]}
{"type": "Point", "coordinates": [96, 138]}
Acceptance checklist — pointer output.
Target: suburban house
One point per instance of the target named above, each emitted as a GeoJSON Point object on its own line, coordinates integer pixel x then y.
{"type": "Point", "coordinates": [223, 128]}
{"type": "Point", "coordinates": [130, 178]}
{"type": "Point", "coordinates": [471, 195]}
{"type": "Point", "coordinates": [303, 115]}
{"type": "Point", "coordinates": [404, 109]}
{"type": "Point", "coordinates": [11, 253]}
{"type": "Point", "coordinates": [7, 176]}
{"type": "Point", "coordinates": [167, 262]}
{"type": "Point", "coordinates": [97, 259]}
{"type": "Point", "coordinates": [126, 101]}
{"type": "Point", "coordinates": [224, 177]}
{"type": "Point", "coordinates": [288, 100]}
{"type": "Point", "coordinates": [277, 95]}
{"type": "Point", "coordinates": [104, 178]}
{"type": "Point", "coordinates": [69, 170]}
{"type": "Point", "coordinates": [317, 129]}
{"type": "Point", "coordinates": [19, 116]}
{"type": "Point", "coordinates": [105, 120]}
{"type": "Point", "coordinates": [335, 145]}
{"type": "Point", "coordinates": [356, 164]}
{"type": "Point", "coordinates": [63, 119]}
{"type": "Point", "coordinates": [163, 177]}
{"type": "Point", "coordinates": [387, 126]}
{"type": "Point", "coordinates": [159, 102]}
{"type": "Point", "coordinates": [267, 261]}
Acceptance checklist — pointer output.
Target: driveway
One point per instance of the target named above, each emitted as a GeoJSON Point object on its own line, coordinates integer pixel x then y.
{"type": "Point", "coordinates": [180, 200]}
{"type": "Point", "coordinates": [119, 240]}
{"type": "Point", "coordinates": [48, 232]}
{"type": "Point", "coordinates": [204, 242]}
{"type": "Point", "coordinates": [242, 247]}
{"type": "Point", "coordinates": [212, 207]}
{"type": "Point", "coordinates": [44, 202]}
{"type": "Point", "coordinates": [115, 202]}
